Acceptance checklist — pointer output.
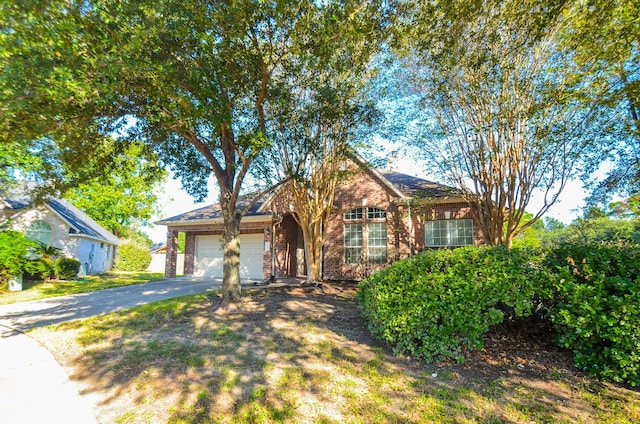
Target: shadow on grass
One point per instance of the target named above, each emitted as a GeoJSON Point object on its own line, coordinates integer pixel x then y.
{"type": "Point", "coordinates": [38, 289]}
{"type": "Point", "coordinates": [292, 357]}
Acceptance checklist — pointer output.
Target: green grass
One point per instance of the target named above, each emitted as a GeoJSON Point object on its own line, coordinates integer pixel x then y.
{"type": "Point", "coordinates": [282, 366]}
{"type": "Point", "coordinates": [33, 290]}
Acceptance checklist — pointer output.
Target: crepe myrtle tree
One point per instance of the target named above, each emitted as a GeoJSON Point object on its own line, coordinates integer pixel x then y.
{"type": "Point", "coordinates": [328, 115]}
{"type": "Point", "coordinates": [511, 114]}
{"type": "Point", "coordinates": [194, 81]}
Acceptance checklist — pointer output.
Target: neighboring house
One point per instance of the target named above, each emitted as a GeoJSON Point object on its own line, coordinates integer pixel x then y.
{"type": "Point", "coordinates": [58, 223]}
{"type": "Point", "coordinates": [380, 216]}
{"type": "Point", "coordinates": [158, 259]}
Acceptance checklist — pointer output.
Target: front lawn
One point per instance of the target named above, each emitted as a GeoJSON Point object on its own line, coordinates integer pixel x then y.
{"type": "Point", "coordinates": [297, 355]}
{"type": "Point", "coordinates": [33, 290]}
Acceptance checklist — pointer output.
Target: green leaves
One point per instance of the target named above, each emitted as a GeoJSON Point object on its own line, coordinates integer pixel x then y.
{"type": "Point", "coordinates": [201, 84]}
{"type": "Point", "coordinates": [605, 40]}
{"type": "Point", "coordinates": [440, 303]}
{"type": "Point", "coordinates": [596, 312]}
{"type": "Point", "coordinates": [512, 111]}
{"type": "Point", "coordinates": [124, 199]}
{"type": "Point", "coordinates": [14, 249]}
{"type": "Point", "coordinates": [66, 268]}
{"type": "Point", "coordinates": [133, 257]}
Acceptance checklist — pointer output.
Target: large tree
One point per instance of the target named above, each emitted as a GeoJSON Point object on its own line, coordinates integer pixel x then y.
{"type": "Point", "coordinates": [46, 131]}
{"type": "Point", "coordinates": [328, 114]}
{"type": "Point", "coordinates": [195, 81]}
{"type": "Point", "coordinates": [316, 157]}
{"type": "Point", "coordinates": [508, 114]}
{"type": "Point", "coordinates": [123, 200]}
{"type": "Point", "coordinates": [604, 37]}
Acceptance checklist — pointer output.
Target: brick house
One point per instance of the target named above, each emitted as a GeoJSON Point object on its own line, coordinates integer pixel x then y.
{"type": "Point", "coordinates": [380, 216]}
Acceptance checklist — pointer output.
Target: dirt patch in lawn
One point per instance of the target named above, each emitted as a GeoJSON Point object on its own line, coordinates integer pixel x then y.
{"type": "Point", "coordinates": [304, 354]}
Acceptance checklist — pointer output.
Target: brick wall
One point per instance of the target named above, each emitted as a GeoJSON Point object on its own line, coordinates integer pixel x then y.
{"type": "Point", "coordinates": [358, 191]}
{"type": "Point", "coordinates": [405, 224]}
{"type": "Point", "coordinates": [171, 259]}
{"type": "Point", "coordinates": [405, 229]}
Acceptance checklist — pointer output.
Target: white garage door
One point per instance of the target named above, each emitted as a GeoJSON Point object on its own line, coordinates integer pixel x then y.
{"type": "Point", "coordinates": [209, 254]}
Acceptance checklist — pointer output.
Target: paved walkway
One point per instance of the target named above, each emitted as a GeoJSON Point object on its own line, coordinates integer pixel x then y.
{"type": "Point", "coordinates": [33, 386]}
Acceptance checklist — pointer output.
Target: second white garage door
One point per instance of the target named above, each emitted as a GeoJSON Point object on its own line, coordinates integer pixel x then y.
{"type": "Point", "coordinates": [209, 253]}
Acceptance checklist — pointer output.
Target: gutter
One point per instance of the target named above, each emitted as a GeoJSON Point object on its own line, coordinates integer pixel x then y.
{"type": "Point", "coordinates": [95, 239]}
{"type": "Point", "coordinates": [252, 218]}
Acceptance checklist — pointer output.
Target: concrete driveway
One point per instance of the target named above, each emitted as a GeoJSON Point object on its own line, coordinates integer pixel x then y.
{"type": "Point", "coordinates": [38, 313]}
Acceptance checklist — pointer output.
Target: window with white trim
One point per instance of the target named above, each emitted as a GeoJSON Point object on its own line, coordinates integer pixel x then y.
{"type": "Point", "coordinates": [39, 231]}
{"type": "Point", "coordinates": [448, 233]}
{"type": "Point", "coordinates": [352, 243]}
{"type": "Point", "coordinates": [365, 226]}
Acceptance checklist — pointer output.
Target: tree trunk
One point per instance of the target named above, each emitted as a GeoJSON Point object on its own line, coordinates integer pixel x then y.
{"type": "Point", "coordinates": [313, 251]}
{"type": "Point", "coordinates": [314, 264]}
{"type": "Point", "coordinates": [231, 258]}
{"type": "Point", "coordinates": [231, 265]}
{"type": "Point", "coordinates": [314, 272]}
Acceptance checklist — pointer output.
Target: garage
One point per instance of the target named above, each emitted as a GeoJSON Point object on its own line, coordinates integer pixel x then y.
{"type": "Point", "coordinates": [209, 254]}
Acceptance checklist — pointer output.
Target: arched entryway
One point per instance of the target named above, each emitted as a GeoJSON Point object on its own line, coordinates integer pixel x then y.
{"type": "Point", "coordinates": [290, 260]}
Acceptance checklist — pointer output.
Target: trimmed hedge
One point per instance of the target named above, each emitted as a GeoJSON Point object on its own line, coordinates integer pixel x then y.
{"type": "Point", "coordinates": [132, 257]}
{"type": "Point", "coordinates": [597, 308]}
{"type": "Point", "coordinates": [66, 268]}
{"type": "Point", "coordinates": [439, 303]}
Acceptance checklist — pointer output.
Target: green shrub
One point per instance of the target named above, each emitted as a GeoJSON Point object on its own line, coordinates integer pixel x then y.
{"type": "Point", "coordinates": [597, 309]}
{"type": "Point", "coordinates": [14, 250]}
{"type": "Point", "coordinates": [41, 269]}
{"type": "Point", "coordinates": [439, 303]}
{"type": "Point", "coordinates": [66, 268]}
{"type": "Point", "coordinates": [132, 257]}
{"type": "Point", "coordinates": [47, 268]}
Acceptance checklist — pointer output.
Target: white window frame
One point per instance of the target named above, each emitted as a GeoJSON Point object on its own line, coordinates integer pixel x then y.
{"type": "Point", "coordinates": [377, 243]}
{"type": "Point", "coordinates": [41, 231]}
{"type": "Point", "coordinates": [448, 233]}
{"type": "Point", "coordinates": [352, 243]}
{"type": "Point", "coordinates": [362, 219]}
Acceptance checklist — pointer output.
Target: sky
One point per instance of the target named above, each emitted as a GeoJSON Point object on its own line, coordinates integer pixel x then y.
{"type": "Point", "coordinates": [173, 200]}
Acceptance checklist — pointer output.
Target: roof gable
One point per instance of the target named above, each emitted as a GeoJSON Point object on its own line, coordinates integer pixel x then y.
{"type": "Point", "coordinates": [401, 185]}
{"type": "Point", "coordinates": [81, 222]}
{"type": "Point", "coordinates": [408, 186]}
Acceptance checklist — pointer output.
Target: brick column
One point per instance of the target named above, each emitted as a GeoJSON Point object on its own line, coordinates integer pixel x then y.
{"type": "Point", "coordinates": [189, 251]}
{"type": "Point", "coordinates": [266, 254]}
{"type": "Point", "coordinates": [171, 258]}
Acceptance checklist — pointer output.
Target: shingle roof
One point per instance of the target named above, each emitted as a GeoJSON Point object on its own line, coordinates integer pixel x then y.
{"type": "Point", "coordinates": [80, 221]}
{"type": "Point", "coordinates": [18, 199]}
{"type": "Point", "coordinates": [213, 212]}
{"type": "Point", "coordinates": [404, 184]}
{"type": "Point", "coordinates": [412, 186]}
